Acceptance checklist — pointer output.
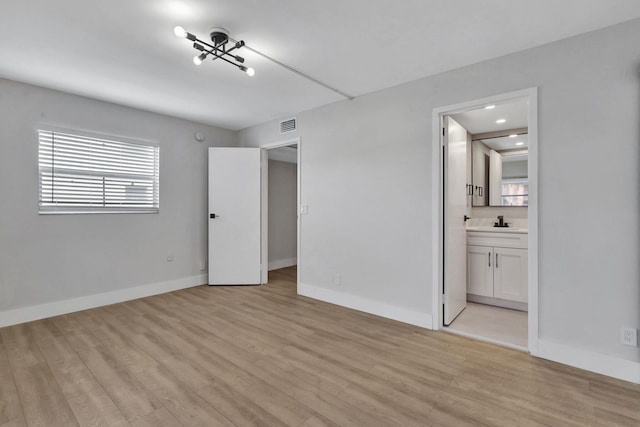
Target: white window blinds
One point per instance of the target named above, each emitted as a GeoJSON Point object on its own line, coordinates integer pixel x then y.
{"type": "Point", "coordinates": [81, 174]}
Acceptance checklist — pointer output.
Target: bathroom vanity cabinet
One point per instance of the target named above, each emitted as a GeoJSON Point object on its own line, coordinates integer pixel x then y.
{"type": "Point", "coordinates": [497, 268]}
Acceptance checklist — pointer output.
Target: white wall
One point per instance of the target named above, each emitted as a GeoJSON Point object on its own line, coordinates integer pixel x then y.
{"type": "Point", "coordinates": [367, 180]}
{"type": "Point", "coordinates": [282, 214]}
{"type": "Point", "coordinates": [49, 258]}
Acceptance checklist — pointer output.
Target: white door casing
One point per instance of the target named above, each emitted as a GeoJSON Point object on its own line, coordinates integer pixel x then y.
{"type": "Point", "coordinates": [234, 216]}
{"type": "Point", "coordinates": [455, 283]}
{"type": "Point", "coordinates": [438, 167]}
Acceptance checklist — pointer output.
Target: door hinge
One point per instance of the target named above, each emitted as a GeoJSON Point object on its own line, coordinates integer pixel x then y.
{"type": "Point", "coordinates": [442, 131]}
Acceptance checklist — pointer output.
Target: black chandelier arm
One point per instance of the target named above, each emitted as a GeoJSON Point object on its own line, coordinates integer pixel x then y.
{"type": "Point", "coordinates": [216, 55]}
{"type": "Point", "coordinates": [211, 46]}
{"type": "Point", "coordinates": [216, 52]}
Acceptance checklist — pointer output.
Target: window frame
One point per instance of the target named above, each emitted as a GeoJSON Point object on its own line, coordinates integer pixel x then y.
{"type": "Point", "coordinates": [113, 209]}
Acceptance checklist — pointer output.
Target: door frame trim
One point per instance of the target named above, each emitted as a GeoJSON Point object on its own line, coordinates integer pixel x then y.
{"type": "Point", "coordinates": [438, 200]}
{"type": "Point", "coordinates": [265, 208]}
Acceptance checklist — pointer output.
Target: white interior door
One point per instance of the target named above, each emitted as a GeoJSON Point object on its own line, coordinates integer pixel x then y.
{"type": "Point", "coordinates": [455, 235]}
{"type": "Point", "coordinates": [234, 216]}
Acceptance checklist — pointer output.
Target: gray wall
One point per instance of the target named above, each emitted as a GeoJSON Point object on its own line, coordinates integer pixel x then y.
{"type": "Point", "coordinates": [48, 258]}
{"type": "Point", "coordinates": [282, 213]}
{"type": "Point", "coordinates": [516, 169]}
{"type": "Point", "coordinates": [366, 167]}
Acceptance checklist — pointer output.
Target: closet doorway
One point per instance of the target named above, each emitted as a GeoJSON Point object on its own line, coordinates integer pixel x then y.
{"type": "Point", "coordinates": [280, 207]}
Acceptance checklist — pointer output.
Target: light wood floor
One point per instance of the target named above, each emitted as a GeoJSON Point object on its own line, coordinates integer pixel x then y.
{"type": "Point", "coordinates": [211, 356]}
{"type": "Point", "coordinates": [495, 324]}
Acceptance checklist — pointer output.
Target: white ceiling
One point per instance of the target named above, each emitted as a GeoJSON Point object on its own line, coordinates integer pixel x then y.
{"type": "Point", "coordinates": [484, 120]}
{"type": "Point", "coordinates": [125, 51]}
{"type": "Point", "coordinates": [506, 143]}
{"type": "Point", "coordinates": [287, 154]}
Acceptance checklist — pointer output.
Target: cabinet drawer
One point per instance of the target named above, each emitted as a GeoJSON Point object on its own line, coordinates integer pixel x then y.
{"type": "Point", "coordinates": [502, 240]}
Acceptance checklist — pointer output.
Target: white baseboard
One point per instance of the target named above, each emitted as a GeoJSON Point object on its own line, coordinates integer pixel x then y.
{"type": "Point", "coordinates": [42, 311]}
{"type": "Point", "coordinates": [595, 362]}
{"type": "Point", "coordinates": [282, 263]}
{"type": "Point", "coordinates": [355, 302]}
{"type": "Point", "coordinates": [484, 339]}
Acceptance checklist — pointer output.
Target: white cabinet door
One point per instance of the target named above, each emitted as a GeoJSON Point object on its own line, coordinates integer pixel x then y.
{"type": "Point", "coordinates": [480, 270]}
{"type": "Point", "coordinates": [510, 274]}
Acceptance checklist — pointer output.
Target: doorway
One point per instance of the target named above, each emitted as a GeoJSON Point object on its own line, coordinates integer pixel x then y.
{"type": "Point", "coordinates": [495, 268]}
{"type": "Point", "coordinates": [280, 209]}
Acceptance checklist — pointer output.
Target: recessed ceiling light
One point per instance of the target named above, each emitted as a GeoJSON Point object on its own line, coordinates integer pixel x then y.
{"type": "Point", "coordinates": [500, 121]}
{"type": "Point", "coordinates": [513, 136]}
{"type": "Point", "coordinates": [519, 143]}
{"type": "Point", "coordinates": [489, 107]}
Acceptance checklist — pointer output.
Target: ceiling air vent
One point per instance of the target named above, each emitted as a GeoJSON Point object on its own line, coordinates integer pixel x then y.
{"type": "Point", "coordinates": [288, 125]}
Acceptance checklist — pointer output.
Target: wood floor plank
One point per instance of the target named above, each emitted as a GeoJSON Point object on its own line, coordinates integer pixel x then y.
{"type": "Point", "coordinates": [158, 418]}
{"type": "Point", "coordinates": [317, 420]}
{"type": "Point", "coordinates": [236, 407]}
{"type": "Point", "coordinates": [71, 374]}
{"type": "Point", "coordinates": [42, 400]}
{"type": "Point", "coordinates": [10, 407]}
{"type": "Point", "coordinates": [185, 405]}
{"type": "Point", "coordinates": [126, 391]}
{"type": "Point", "coordinates": [263, 355]}
{"type": "Point", "coordinates": [43, 403]}
{"type": "Point", "coordinates": [15, 423]}
{"type": "Point", "coordinates": [96, 409]}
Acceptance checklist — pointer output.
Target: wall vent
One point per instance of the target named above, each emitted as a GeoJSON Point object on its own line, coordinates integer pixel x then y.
{"type": "Point", "coordinates": [289, 125]}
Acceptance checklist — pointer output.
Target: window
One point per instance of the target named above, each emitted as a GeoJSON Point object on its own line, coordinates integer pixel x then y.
{"type": "Point", "coordinates": [83, 174]}
{"type": "Point", "coordinates": [515, 192]}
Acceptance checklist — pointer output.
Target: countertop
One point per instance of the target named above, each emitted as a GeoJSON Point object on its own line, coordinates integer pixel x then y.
{"type": "Point", "coordinates": [489, 229]}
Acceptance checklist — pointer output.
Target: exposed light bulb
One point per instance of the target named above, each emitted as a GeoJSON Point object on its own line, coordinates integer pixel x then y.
{"type": "Point", "coordinates": [519, 143]}
{"type": "Point", "coordinates": [500, 121]}
{"type": "Point", "coordinates": [489, 107]}
{"type": "Point", "coordinates": [179, 31]}
{"type": "Point", "coordinates": [250, 72]}
{"type": "Point", "coordinates": [198, 59]}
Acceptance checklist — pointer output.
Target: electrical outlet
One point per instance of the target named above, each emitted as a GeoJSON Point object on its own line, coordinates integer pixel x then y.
{"type": "Point", "coordinates": [629, 336]}
{"type": "Point", "coordinates": [337, 279]}
{"type": "Point", "coordinates": [203, 265]}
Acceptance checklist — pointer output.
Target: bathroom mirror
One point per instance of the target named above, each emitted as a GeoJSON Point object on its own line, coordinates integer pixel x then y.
{"type": "Point", "coordinates": [499, 170]}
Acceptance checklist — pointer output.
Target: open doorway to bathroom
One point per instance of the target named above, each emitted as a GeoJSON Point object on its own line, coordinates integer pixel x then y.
{"type": "Point", "coordinates": [486, 215]}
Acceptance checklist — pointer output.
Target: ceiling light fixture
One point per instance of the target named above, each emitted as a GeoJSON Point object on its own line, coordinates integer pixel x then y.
{"type": "Point", "coordinates": [500, 121]}
{"type": "Point", "coordinates": [217, 50]}
{"type": "Point", "coordinates": [220, 37]}
{"type": "Point", "coordinates": [489, 107]}
{"type": "Point", "coordinates": [513, 136]}
{"type": "Point", "coordinates": [519, 143]}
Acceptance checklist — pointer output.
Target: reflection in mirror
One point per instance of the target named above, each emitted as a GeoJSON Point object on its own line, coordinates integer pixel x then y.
{"type": "Point", "coordinates": [500, 169]}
